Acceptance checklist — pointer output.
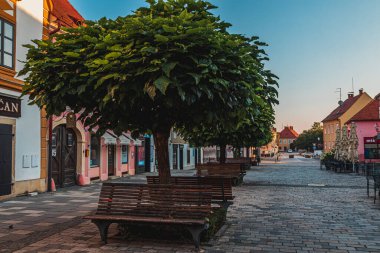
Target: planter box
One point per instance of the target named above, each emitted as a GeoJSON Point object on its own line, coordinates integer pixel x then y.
{"type": "Point", "coordinates": [291, 156]}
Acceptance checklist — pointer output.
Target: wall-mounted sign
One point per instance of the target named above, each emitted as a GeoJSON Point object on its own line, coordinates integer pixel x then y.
{"type": "Point", "coordinates": [371, 140]}
{"type": "Point", "coordinates": [71, 120]}
{"type": "Point", "coordinates": [10, 107]}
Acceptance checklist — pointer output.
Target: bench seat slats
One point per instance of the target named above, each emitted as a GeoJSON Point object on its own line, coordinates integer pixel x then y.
{"type": "Point", "coordinates": [145, 219]}
{"type": "Point", "coordinates": [221, 187]}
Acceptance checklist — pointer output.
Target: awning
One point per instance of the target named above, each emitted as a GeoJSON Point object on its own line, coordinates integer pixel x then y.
{"type": "Point", "coordinates": [124, 139]}
{"type": "Point", "coordinates": [136, 142]}
{"type": "Point", "coordinates": [109, 138]}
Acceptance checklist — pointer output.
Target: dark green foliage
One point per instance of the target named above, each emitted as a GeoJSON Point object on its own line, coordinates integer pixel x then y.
{"type": "Point", "coordinates": [172, 64]}
{"type": "Point", "coordinates": [308, 138]}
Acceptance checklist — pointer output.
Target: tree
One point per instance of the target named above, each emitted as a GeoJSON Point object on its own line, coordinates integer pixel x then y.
{"type": "Point", "coordinates": [172, 64]}
{"type": "Point", "coordinates": [310, 138]}
{"type": "Point", "coordinates": [251, 132]}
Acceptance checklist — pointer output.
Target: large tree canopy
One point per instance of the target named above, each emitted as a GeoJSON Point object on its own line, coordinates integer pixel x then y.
{"type": "Point", "coordinates": [172, 64]}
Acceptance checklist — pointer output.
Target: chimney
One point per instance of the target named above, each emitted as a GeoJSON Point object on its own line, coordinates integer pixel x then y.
{"type": "Point", "coordinates": [361, 91]}
{"type": "Point", "coordinates": [350, 95]}
{"type": "Point", "coordinates": [291, 127]}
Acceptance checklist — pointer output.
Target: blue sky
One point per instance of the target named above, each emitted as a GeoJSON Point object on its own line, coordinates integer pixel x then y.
{"type": "Point", "coordinates": [315, 46]}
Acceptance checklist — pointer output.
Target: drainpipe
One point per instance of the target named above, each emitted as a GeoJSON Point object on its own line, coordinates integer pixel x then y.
{"type": "Point", "coordinates": [50, 125]}
{"type": "Point", "coordinates": [50, 164]}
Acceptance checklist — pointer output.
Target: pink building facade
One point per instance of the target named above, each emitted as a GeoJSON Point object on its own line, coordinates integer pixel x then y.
{"type": "Point", "coordinates": [367, 121]}
{"type": "Point", "coordinates": [368, 144]}
{"type": "Point", "coordinates": [80, 156]}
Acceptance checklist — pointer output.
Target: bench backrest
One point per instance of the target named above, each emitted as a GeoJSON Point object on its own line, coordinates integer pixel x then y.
{"type": "Point", "coordinates": [221, 187]}
{"type": "Point", "coordinates": [165, 201]}
{"type": "Point", "coordinates": [233, 170]}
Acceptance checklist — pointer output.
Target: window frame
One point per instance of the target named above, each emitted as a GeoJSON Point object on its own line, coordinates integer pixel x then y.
{"type": "Point", "coordinates": [127, 150]}
{"type": "Point", "coordinates": [98, 151]}
{"type": "Point", "coordinates": [4, 21]}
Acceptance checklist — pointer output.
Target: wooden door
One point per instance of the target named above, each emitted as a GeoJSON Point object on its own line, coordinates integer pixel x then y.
{"type": "Point", "coordinates": [6, 137]}
{"type": "Point", "coordinates": [64, 156]}
{"type": "Point", "coordinates": [111, 160]}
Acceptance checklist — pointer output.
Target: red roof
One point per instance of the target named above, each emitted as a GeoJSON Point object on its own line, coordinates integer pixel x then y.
{"type": "Point", "coordinates": [288, 133]}
{"type": "Point", "coordinates": [340, 110]}
{"type": "Point", "coordinates": [370, 112]}
{"type": "Point", "coordinates": [66, 13]}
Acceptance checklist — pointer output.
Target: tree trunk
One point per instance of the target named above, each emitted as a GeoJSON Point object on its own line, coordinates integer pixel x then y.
{"type": "Point", "coordinates": [222, 158]}
{"type": "Point", "coordinates": [161, 141]}
{"type": "Point", "coordinates": [247, 151]}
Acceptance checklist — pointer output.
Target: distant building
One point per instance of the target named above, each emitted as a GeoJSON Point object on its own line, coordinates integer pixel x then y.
{"type": "Point", "coordinates": [287, 136]}
{"type": "Point", "coordinates": [340, 115]}
{"type": "Point", "coordinates": [367, 121]}
{"type": "Point", "coordinates": [271, 148]}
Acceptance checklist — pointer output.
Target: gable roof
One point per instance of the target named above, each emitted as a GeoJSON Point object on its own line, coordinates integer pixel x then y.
{"type": "Point", "coordinates": [370, 112]}
{"type": "Point", "coordinates": [66, 13]}
{"type": "Point", "coordinates": [340, 110]}
{"type": "Point", "coordinates": [288, 133]}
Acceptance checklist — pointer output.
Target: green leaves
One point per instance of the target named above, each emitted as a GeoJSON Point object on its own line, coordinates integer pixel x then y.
{"type": "Point", "coordinates": [113, 55]}
{"type": "Point", "coordinates": [169, 29]}
{"type": "Point", "coordinates": [168, 67]}
{"type": "Point", "coordinates": [71, 54]}
{"type": "Point", "coordinates": [162, 84]}
{"type": "Point", "coordinates": [161, 38]}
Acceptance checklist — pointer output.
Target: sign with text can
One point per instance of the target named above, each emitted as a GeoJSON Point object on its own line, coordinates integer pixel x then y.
{"type": "Point", "coordinates": [10, 107]}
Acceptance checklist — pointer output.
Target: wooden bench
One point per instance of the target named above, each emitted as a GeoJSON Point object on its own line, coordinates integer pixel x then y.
{"type": "Point", "coordinates": [245, 162]}
{"type": "Point", "coordinates": [221, 187]}
{"type": "Point", "coordinates": [232, 171]}
{"type": "Point", "coordinates": [244, 166]}
{"type": "Point", "coordinates": [188, 206]}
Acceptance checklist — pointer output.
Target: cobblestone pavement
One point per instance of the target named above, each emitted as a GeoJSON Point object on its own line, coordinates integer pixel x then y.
{"type": "Point", "coordinates": [276, 210]}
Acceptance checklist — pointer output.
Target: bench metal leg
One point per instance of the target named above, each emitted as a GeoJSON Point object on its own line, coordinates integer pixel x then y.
{"type": "Point", "coordinates": [367, 188]}
{"type": "Point", "coordinates": [374, 197]}
{"type": "Point", "coordinates": [103, 229]}
{"type": "Point", "coordinates": [196, 233]}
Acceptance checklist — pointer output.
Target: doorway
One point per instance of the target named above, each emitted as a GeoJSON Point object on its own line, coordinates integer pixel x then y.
{"type": "Point", "coordinates": [6, 138]}
{"type": "Point", "coordinates": [64, 156]}
{"type": "Point", "coordinates": [111, 160]}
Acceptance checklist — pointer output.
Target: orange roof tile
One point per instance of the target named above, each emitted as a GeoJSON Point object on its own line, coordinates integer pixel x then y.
{"type": "Point", "coordinates": [340, 110]}
{"type": "Point", "coordinates": [66, 13]}
{"type": "Point", "coordinates": [288, 133]}
{"type": "Point", "coordinates": [370, 112]}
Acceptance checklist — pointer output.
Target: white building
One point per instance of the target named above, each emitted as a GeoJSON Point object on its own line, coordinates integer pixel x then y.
{"type": "Point", "coordinates": [20, 125]}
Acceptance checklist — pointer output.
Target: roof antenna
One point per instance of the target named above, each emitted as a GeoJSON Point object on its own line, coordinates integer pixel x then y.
{"type": "Point", "coordinates": [340, 102]}
{"type": "Point", "coordinates": [353, 91]}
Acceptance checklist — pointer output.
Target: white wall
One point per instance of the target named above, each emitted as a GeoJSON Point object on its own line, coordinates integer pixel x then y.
{"type": "Point", "coordinates": [28, 27]}
{"type": "Point", "coordinates": [28, 142]}
{"type": "Point", "coordinates": [28, 138]}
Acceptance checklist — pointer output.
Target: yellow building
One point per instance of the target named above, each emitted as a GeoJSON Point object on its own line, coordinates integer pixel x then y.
{"type": "Point", "coordinates": [340, 115]}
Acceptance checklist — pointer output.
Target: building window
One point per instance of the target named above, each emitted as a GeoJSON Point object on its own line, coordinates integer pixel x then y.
{"type": "Point", "coordinates": [188, 156]}
{"type": "Point", "coordinates": [94, 151]}
{"type": "Point", "coordinates": [124, 154]}
{"type": "Point", "coordinates": [280, 141]}
{"type": "Point", "coordinates": [6, 44]}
